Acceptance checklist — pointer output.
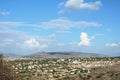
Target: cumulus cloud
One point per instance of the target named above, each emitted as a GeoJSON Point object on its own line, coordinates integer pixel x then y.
{"type": "Point", "coordinates": [32, 43]}
{"type": "Point", "coordinates": [4, 13]}
{"type": "Point", "coordinates": [18, 41]}
{"type": "Point", "coordinates": [84, 40]}
{"type": "Point", "coordinates": [112, 44]}
{"type": "Point", "coordinates": [80, 4]}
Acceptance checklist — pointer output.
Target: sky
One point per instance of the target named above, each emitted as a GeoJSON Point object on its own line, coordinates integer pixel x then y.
{"type": "Point", "coordinates": [30, 26]}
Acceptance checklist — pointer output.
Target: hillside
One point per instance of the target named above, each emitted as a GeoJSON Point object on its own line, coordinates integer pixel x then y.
{"type": "Point", "coordinates": [62, 55]}
{"type": "Point", "coordinates": [100, 73]}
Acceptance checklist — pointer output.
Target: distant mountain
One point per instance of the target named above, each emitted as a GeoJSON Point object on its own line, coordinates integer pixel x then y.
{"type": "Point", "coordinates": [62, 55]}
{"type": "Point", "coordinates": [12, 55]}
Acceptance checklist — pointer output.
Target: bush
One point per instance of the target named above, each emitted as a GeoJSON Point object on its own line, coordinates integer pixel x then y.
{"type": "Point", "coordinates": [6, 72]}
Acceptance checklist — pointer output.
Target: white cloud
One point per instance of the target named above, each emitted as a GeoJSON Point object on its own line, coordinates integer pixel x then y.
{"type": "Point", "coordinates": [21, 42]}
{"type": "Point", "coordinates": [96, 35]}
{"type": "Point", "coordinates": [84, 40]}
{"type": "Point", "coordinates": [11, 24]}
{"type": "Point", "coordinates": [50, 39]}
{"type": "Point", "coordinates": [8, 41]}
{"type": "Point", "coordinates": [73, 43]}
{"type": "Point", "coordinates": [52, 36]}
{"type": "Point", "coordinates": [31, 43]}
{"type": "Point", "coordinates": [62, 31]}
{"type": "Point", "coordinates": [16, 24]}
{"type": "Point", "coordinates": [4, 13]}
{"type": "Point", "coordinates": [80, 4]}
{"type": "Point", "coordinates": [60, 23]}
{"type": "Point", "coordinates": [64, 24]}
{"type": "Point", "coordinates": [112, 44]}
{"type": "Point", "coordinates": [60, 44]}
{"type": "Point", "coordinates": [61, 4]}
{"type": "Point", "coordinates": [61, 11]}
{"type": "Point", "coordinates": [37, 42]}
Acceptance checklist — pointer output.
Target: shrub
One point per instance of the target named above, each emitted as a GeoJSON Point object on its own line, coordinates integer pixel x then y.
{"type": "Point", "coordinates": [6, 72]}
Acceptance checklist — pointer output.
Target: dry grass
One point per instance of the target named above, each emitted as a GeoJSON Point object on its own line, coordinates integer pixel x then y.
{"type": "Point", "coordinates": [107, 73]}
{"type": "Point", "coordinates": [101, 73]}
{"type": "Point", "coordinates": [6, 72]}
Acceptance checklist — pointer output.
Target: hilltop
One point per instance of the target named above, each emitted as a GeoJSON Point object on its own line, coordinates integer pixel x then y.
{"type": "Point", "coordinates": [62, 55]}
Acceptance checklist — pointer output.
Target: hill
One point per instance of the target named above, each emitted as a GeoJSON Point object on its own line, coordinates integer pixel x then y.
{"type": "Point", "coordinates": [62, 55]}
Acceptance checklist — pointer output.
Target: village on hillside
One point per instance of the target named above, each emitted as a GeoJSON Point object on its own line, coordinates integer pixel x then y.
{"type": "Point", "coordinates": [59, 69]}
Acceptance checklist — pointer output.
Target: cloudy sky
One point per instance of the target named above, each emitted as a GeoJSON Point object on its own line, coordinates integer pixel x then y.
{"type": "Point", "coordinates": [28, 26]}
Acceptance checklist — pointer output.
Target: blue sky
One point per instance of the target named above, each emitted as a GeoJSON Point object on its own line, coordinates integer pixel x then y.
{"type": "Point", "coordinates": [29, 26]}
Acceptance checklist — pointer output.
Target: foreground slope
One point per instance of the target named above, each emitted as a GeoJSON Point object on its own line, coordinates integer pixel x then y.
{"type": "Point", "coordinates": [6, 71]}
{"type": "Point", "coordinates": [100, 73]}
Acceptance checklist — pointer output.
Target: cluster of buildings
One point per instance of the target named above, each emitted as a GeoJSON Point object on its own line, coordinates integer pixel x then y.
{"type": "Point", "coordinates": [53, 69]}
